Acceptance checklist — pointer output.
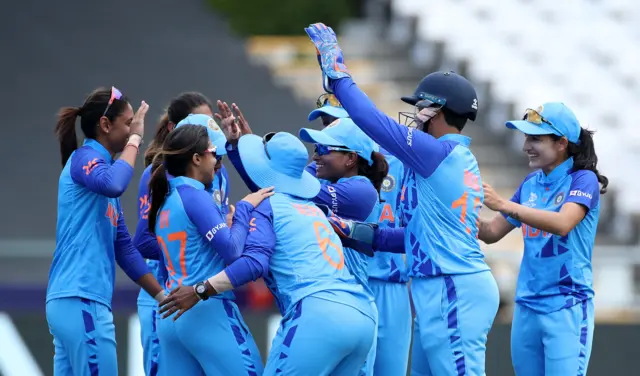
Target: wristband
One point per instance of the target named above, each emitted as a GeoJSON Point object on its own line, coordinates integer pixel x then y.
{"type": "Point", "coordinates": [135, 140]}
{"type": "Point", "coordinates": [160, 296]}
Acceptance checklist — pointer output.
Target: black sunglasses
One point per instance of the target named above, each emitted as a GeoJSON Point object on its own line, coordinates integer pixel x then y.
{"type": "Point", "coordinates": [266, 139]}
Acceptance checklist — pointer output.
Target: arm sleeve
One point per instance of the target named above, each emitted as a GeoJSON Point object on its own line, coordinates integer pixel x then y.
{"type": "Point", "coordinates": [419, 150]}
{"type": "Point", "coordinates": [90, 170]}
{"type": "Point", "coordinates": [352, 198]}
{"type": "Point", "coordinates": [389, 240]}
{"type": "Point", "coordinates": [261, 242]}
{"type": "Point", "coordinates": [127, 256]}
{"type": "Point", "coordinates": [584, 189]}
{"type": "Point", "coordinates": [144, 240]}
{"type": "Point", "coordinates": [212, 225]}
{"type": "Point", "coordinates": [234, 157]}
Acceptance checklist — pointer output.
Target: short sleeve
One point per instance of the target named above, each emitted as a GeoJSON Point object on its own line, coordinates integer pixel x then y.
{"type": "Point", "coordinates": [584, 189]}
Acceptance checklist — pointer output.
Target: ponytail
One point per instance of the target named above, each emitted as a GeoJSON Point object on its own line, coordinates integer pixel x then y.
{"type": "Point", "coordinates": [585, 158]}
{"type": "Point", "coordinates": [377, 171]}
{"type": "Point", "coordinates": [162, 130]}
{"type": "Point", "coordinates": [66, 131]}
{"type": "Point", "coordinates": [158, 190]}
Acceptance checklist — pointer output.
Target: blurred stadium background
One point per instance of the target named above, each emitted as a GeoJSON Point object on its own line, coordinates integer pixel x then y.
{"type": "Point", "coordinates": [518, 53]}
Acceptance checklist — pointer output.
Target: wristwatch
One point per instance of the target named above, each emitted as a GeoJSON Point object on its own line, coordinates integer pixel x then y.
{"type": "Point", "coordinates": [201, 291]}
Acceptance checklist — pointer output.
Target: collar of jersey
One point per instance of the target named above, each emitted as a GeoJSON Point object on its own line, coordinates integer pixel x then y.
{"type": "Point", "coordinates": [183, 180]}
{"type": "Point", "coordinates": [95, 145]}
{"type": "Point", "coordinates": [464, 140]}
{"type": "Point", "coordinates": [353, 177]}
{"type": "Point", "coordinates": [558, 173]}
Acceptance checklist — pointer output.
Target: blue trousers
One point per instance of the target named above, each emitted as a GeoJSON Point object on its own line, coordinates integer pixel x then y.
{"type": "Point", "coordinates": [210, 339]}
{"type": "Point", "coordinates": [394, 327]}
{"type": "Point", "coordinates": [149, 338]}
{"type": "Point", "coordinates": [552, 344]}
{"type": "Point", "coordinates": [369, 364]}
{"type": "Point", "coordinates": [454, 314]}
{"type": "Point", "coordinates": [321, 337]}
{"type": "Point", "coordinates": [84, 337]}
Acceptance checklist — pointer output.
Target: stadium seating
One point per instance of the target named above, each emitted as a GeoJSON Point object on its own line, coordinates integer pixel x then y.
{"type": "Point", "coordinates": [577, 51]}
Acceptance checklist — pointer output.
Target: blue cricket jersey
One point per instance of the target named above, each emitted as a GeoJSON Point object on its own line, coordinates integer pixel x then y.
{"type": "Point", "coordinates": [385, 266]}
{"type": "Point", "coordinates": [442, 193]}
{"type": "Point", "coordinates": [193, 234]}
{"type": "Point", "coordinates": [556, 270]}
{"type": "Point", "coordinates": [143, 239]}
{"type": "Point", "coordinates": [91, 235]}
{"type": "Point", "coordinates": [292, 245]}
{"type": "Point", "coordinates": [352, 198]}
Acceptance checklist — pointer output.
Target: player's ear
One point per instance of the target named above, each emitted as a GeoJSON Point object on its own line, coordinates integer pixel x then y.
{"type": "Point", "coordinates": [352, 160]}
{"type": "Point", "coordinates": [104, 124]}
{"type": "Point", "coordinates": [562, 143]}
{"type": "Point", "coordinates": [196, 159]}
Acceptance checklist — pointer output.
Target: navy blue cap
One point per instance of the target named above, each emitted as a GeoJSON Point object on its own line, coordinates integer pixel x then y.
{"type": "Point", "coordinates": [450, 88]}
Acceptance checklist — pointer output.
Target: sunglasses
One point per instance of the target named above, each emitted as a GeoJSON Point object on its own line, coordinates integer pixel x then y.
{"type": "Point", "coordinates": [266, 139]}
{"type": "Point", "coordinates": [325, 149]}
{"type": "Point", "coordinates": [115, 94]}
{"type": "Point", "coordinates": [213, 150]}
{"type": "Point", "coordinates": [534, 117]}
{"type": "Point", "coordinates": [328, 99]}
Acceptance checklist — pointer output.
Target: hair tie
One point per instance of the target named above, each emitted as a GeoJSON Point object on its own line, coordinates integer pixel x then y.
{"type": "Point", "coordinates": [80, 110]}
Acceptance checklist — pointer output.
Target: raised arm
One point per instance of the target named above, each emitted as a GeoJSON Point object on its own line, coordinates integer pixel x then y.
{"type": "Point", "coordinates": [211, 224]}
{"type": "Point", "coordinates": [417, 149]}
{"type": "Point", "coordinates": [90, 170]}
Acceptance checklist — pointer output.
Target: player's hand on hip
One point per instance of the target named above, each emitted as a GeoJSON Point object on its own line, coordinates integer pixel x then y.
{"type": "Point", "coordinates": [179, 301]}
{"type": "Point", "coordinates": [257, 197]}
{"type": "Point", "coordinates": [137, 124]}
{"type": "Point", "coordinates": [492, 200]}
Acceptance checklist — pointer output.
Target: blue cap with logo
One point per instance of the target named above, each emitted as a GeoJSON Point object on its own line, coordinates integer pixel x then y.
{"type": "Point", "coordinates": [216, 135]}
{"type": "Point", "coordinates": [550, 118]}
{"type": "Point", "coordinates": [342, 132]}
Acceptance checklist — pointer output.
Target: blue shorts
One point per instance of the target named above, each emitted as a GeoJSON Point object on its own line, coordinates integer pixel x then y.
{"type": "Point", "coordinates": [552, 344]}
{"type": "Point", "coordinates": [149, 338]}
{"type": "Point", "coordinates": [84, 337]}
{"type": "Point", "coordinates": [394, 327]}
{"type": "Point", "coordinates": [321, 337]}
{"type": "Point", "coordinates": [210, 338]}
{"type": "Point", "coordinates": [454, 314]}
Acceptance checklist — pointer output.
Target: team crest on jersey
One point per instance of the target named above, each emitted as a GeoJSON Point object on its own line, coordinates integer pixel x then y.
{"type": "Point", "coordinates": [388, 183]}
{"type": "Point", "coordinates": [217, 197]}
{"type": "Point", "coordinates": [213, 125]}
{"type": "Point", "coordinates": [532, 200]}
{"type": "Point", "coordinates": [559, 198]}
